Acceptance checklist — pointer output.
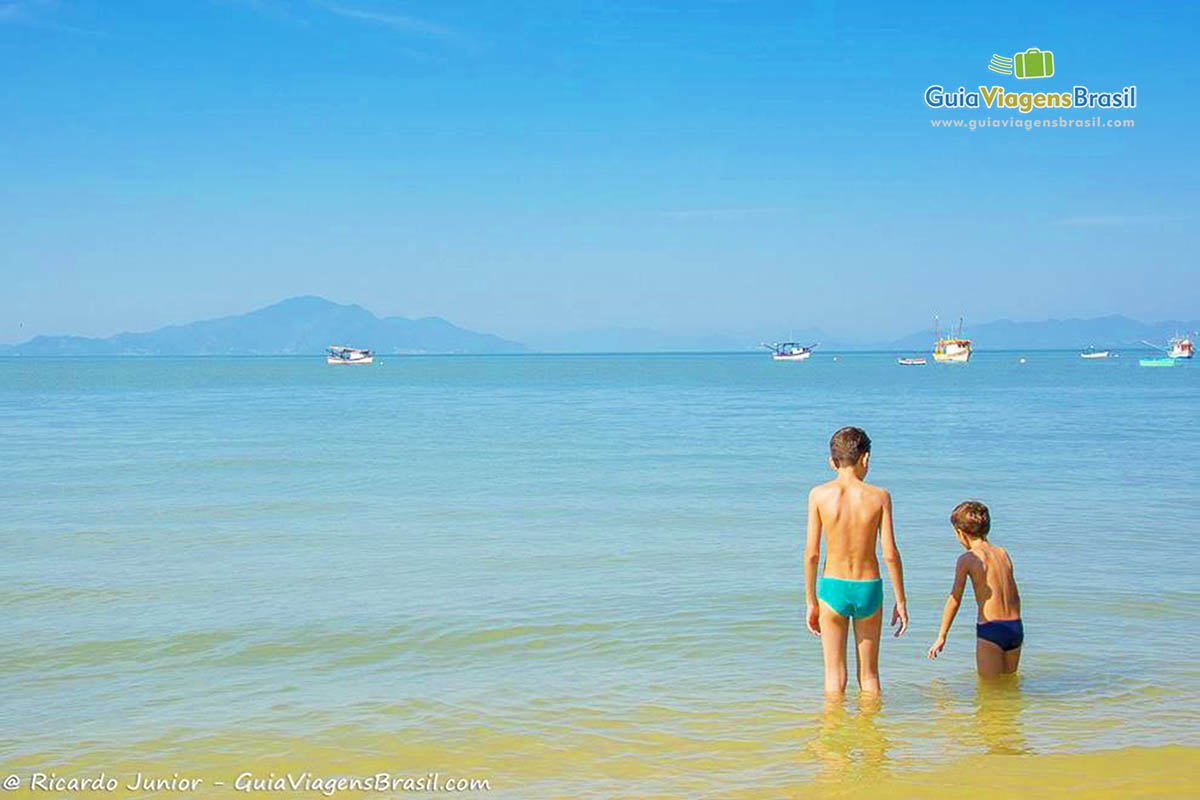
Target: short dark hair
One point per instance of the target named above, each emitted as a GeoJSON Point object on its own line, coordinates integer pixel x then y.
{"type": "Point", "coordinates": [972, 518]}
{"type": "Point", "coordinates": [848, 445]}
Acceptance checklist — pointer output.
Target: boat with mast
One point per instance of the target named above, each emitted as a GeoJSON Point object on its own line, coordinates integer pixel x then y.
{"type": "Point", "coordinates": [952, 349]}
{"type": "Point", "coordinates": [790, 351]}
{"type": "Point", "coordinates": [1181, 347]}
{"type": "Point", "coordinates": [340, 354]}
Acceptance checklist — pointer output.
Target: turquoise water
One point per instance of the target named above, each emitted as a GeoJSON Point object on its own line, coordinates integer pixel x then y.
{"type": "Point", "coordinates": [576, 554]}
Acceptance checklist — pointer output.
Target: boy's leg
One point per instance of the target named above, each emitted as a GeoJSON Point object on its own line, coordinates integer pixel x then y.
{"type": "Point", "coordinates": [1012, 659]}
{"type": "Point", "coordinates": [833, 646]}
{"type": "Point", "coordinates": [989, 659]}
{"type": "Point", "coordinates": [866, 644]}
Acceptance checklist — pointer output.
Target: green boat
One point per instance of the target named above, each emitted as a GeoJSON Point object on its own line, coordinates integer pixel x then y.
{"type": "Point", "coordinates": [1157, 362]}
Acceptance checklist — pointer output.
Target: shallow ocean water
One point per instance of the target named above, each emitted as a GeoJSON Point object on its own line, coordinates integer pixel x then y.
{"type": "Point", "coordinates": [580, 575]}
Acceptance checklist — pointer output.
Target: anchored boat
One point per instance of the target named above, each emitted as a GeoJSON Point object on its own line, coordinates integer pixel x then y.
{"type": "Point", "coordinates": [339, 354]}
{"type": "Point", "coordinates": [1181, 347]}
{"type": "Point", "coordinates": [1178, 349]}
{"type": "Point", "coordinates": [911, 362]}
{"type": "Point", "coordinates": [952, 349]}
{"type": "Point", "coordinates": [790, 351]}
{"type": "Point", "coordinates": [1092, 352]}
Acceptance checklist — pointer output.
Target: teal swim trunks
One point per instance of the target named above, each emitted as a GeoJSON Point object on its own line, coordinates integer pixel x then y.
{"type": "Point", "coordinates": [851, 598]}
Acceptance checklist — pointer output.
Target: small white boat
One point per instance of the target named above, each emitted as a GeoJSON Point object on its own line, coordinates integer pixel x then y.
{"type": "Point", "coordinates": [1092, 352]}
{"type": "Point", "coordinates": [790, 351]}
{"type": "Point", "coordinates": [339, 354]}
{"type": "Point", "coordinates": [911, 362]}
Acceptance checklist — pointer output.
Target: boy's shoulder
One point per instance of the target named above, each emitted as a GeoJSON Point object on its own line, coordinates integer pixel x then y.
{"type": "Point", "coordinates": [831, 491]}
{"type": "Point", "coordinates": [821, 489]}
{"type": "Point", "coordinates": [832, 486]}
{"type": "Point", "coordinates": [970, 562]}
{"type": "Point", "coordinates": [878, 494]}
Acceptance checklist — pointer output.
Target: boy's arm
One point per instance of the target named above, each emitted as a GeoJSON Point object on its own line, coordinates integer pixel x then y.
{"type": "Point", "coordinates": [952, 604]}
{"type": "Point", "coordinates": [812, 562]}
{"type": "Point", "coordinates": [891, 557]}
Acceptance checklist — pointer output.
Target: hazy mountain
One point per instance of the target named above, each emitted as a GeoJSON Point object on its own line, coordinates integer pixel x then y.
{"type": "Point", "coordinates": [301, 325]}
{"type": "Point", "coordinates": [1112, 331]}
{"type": "Point", "coordinates": [1053, 334]}
{"type": "Point", "coordinates": [306, 325]}
{"type": "Point", "coordinates": [650, 340]}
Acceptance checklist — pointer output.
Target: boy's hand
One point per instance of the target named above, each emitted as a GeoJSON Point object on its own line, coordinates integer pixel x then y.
{"type": "Point", "coordinates": [937, 648]}
{"type": "Point", "coordinates": [900, 614]}
{"type": "Point", "coordinates": [812, 617]}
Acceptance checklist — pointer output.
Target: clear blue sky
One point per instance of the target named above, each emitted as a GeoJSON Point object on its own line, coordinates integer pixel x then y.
{"type": "Point", "coordinates": [525, 167]}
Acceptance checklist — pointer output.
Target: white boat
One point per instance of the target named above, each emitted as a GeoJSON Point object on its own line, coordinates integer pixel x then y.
{"type": "Point", "coordinates": [339, 354]}
{"type": "Point", "coordinates": [790, 351]}
{"type": "Point", "coordinates": [1092, 352]}
{"type": "Point", "coordinates": [952, 349]}
{"type": "Point", "coordinates": [911, 362]}
{"type": "Point", "coordinates": [1180, 347]}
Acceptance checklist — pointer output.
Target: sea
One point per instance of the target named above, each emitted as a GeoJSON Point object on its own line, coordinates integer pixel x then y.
{"type": "Point", "coordinates": [545, 576]}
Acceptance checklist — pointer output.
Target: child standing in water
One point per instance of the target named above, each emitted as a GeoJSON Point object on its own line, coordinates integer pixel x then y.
{"type": "Point", "coordinates": [998, 632]}
{"type": "Point", "coordinates": [854, 517]}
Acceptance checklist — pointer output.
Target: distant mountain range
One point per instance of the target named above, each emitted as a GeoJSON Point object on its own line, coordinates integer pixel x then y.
{"type": "Point", "coordinates": [649, 340]}
{"type": "Point", "coordinates": [1053, 334]}
{"type": "Point", "coordinates": [307, 325]}
{"type": "Point", "coordinates": [301, 325]}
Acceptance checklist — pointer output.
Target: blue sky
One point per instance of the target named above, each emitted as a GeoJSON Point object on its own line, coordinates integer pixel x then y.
{"type": "Point", "coordinates": [530, 167]}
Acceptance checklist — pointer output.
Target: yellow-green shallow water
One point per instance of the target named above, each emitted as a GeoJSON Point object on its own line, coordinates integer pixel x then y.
{"type": "Point", "coordinates": [852, 763]}
{"type": "Point", "coordinates": [580, 576]}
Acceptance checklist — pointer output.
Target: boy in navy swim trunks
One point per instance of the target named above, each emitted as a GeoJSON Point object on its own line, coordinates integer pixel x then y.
{"type": "Point", "coordinates": [999, 633]}
{"type": "Point", "coordinates": [854, 518]}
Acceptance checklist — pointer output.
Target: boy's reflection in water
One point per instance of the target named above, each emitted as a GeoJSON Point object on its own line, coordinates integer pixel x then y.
{"type": "Point", "coordinates": [851, 749]}
{"type": "Point", "coordinates": [998, 706]}
{"type": "Point", "coordinates": [993, 725]}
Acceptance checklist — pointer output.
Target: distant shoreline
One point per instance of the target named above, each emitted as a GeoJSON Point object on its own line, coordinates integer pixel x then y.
{"type": "Point", "coordinates": [545, 353]}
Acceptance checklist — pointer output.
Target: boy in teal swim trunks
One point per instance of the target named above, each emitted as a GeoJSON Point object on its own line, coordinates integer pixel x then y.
{"type": "Point", "coordinates": [853, 516]}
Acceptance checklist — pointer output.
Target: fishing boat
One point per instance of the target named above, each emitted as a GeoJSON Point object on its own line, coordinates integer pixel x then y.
{"type": "Point", "coordinates": [952, 349]}
{"type": "Point", "coordinates": [1092, 352]}
{"type": "Point", "coordinates": [1181, 347]}
{"type": "Point", "coordinates": [790, 351]}
{"type": "Point", "coordinates": [911, 362]}
{"type": "Point", "coordinates": [340, 354]}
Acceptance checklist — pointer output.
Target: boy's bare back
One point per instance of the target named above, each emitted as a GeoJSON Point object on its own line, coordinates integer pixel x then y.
{"type": "Point", "coordinates": [991, 571]}
{"type": "Point", "coordinates": [851, 516]}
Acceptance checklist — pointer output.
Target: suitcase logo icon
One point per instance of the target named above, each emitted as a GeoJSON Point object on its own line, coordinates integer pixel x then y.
{"type": "Point", "coordinates": [1033, 63]}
